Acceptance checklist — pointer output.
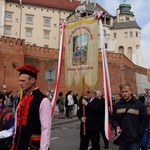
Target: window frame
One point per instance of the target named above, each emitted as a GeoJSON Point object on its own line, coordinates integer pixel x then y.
{"type": "Point", "coordinates": [27, 33]}
{"type": "Point", "coordinates": [46, 36]}
{"type": "Point", "coordinates": [115, 35]}
{"type": "Point", "coordinates": [46, 46]}
{"type": "Point", "coordinates": [126, 34]}
{"type": "Point", "coordinates": [137, 34]}
{"type": "Point", "coordinates": [8, 16]}
{"type": "Point", "coordinates": [8, 29]}
{"type": "Point", "coordinates": [47, 21]}
{"type": "Point", "coordinates": [29, 19]}
{"type": "Point", "coordinates": [131, 34]}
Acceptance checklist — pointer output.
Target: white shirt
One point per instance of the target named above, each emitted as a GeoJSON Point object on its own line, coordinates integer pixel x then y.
{"type": "Point", "coordinates": [46, 123]}
{"type": "Point", "coordinates": [70, 100]}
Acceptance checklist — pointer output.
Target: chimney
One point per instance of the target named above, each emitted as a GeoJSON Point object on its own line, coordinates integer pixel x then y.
{"type": "Point", "coordinates": [81, 1]}
{"type": "Point", "coordinates": [87, 1]}
{"type": "Point", "coordinates": [94, 3]}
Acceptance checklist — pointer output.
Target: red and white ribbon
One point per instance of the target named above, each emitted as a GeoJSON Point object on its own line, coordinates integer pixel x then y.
{"type": "Point", "coordinates": [99, 14]}
{"type": "Point", "coordinates": [62, 26]}
{"type": "Point", "coordinates": [106, 78]}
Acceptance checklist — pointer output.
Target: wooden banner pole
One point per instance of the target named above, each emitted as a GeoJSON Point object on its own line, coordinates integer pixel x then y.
{"type": "Point", "coordinates": [83, 107]}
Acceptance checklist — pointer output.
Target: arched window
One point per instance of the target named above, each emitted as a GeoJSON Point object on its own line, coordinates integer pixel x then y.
{"type": "Point", "coordinates": [129, 53]}
{"type": "Point", "coordinates": [121, 50]}
{"type": "Point", "coordinates": [137, 47]}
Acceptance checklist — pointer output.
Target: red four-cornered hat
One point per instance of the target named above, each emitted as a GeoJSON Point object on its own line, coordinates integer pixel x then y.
{"type": "Point", "coordinates": [28, 69]}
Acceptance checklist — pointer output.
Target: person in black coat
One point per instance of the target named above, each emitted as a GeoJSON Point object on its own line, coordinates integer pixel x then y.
{"type": "Point", "coordinates": [102, 119]}
{"type": "Point", "coordinates": [93, 113]}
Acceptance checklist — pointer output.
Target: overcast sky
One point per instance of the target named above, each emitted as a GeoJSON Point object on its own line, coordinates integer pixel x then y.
{"type": "Point", "coordinates": [141, 11]}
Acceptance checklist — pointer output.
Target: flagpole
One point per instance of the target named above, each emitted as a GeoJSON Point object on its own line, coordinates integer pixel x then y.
{"type": "Point", "coordinates": [106, 78]}
{"type": "Point", "coordinates": [83, 106]}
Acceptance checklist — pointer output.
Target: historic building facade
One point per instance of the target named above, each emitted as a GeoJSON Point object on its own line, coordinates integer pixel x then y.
{"type": "Point", "coordinates": [38, 23]}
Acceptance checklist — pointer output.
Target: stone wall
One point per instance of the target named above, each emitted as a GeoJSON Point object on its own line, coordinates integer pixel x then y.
{"type": "Point", "coordinates": [14, 53]}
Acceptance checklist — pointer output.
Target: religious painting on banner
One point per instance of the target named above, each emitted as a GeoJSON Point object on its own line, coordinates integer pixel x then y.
{"type": "Point", "coordinates": [81, 52]}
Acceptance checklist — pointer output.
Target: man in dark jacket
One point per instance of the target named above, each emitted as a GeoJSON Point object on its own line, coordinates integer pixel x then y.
{"type": "Point", "coordinates": [92, 117]}
{"type": "Point", "coordinates": [130, 125]}
{"type": "Point", "coordinates": [102, 119]}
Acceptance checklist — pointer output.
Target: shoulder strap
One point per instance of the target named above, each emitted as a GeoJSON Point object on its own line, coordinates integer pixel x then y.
{"type": "Point", "coordinates": [126, 111]}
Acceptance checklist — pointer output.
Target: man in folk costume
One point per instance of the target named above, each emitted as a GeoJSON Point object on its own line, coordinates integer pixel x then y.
{"type": "Point", "coordinates": [33, 118]}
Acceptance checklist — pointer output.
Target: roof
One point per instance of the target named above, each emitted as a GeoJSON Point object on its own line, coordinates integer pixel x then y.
{"type": "Point", "coordinates": [125, 4]}
{"type": "Point", "coordinates": [123, 25]}
{"type": "Point", "coordinates": [59, 4]}
{"type": "Point", "coordinates": [102, 9]}
{"type": "Point", "coordinates": [90, 7]}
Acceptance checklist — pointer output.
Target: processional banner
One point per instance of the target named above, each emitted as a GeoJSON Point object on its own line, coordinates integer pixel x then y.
{"type": "Point", "coordinates": [148, 74]}
{"type": "Point", "coordinates": [81, 52]}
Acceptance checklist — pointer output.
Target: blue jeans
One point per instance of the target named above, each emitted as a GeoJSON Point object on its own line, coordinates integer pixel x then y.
{"type": "Point", "coordinates": [148, 141]}
{"type": "Point", "coordinates": [124, 145]}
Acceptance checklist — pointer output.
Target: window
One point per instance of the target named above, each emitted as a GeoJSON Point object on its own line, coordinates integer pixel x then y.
{"type": "Point", "coordinates": [46, 46]}
{"type": "Point", "coordinates": [115, 35]}
{"type": "Point", "coordinates": [129, 53]}
{"type": "Point", "coordinates": [127, 18]}
{"type": "Point", "coordinates": [104, 33]}
{"type": "Point", "coordinates": [106, 46]}
{"type": "Point", "coordinates": [46, 34]}
{"type": "Point", "coordinates": [136, 34]}
{"type": "Point", "coordinates": [29, 19]}
{"type": "Point", "coordinates": [28, 32]}
{"type": "Point", "coordinates": [121, 49]}
{"type": "Point", "coordinates": [47, 21]}
{"type": "Point", "coordinates": [8, 16]}
{"type": "Point", "coordinates": [131, 34]}
{"type": "Point", "coordinates": [126, 34]}
{"type": "Point", "coordinates": [17, 20]}
{"type": "Point", "coordinates": [7, 30]}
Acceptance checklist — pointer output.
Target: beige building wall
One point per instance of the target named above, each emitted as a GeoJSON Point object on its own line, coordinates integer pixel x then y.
{"type": "Point", "coordinates": [2, 12]}
{"type": "Point", "coordinates": [19, 24]}
{"type": "Point", "coordinates": [130, 44]}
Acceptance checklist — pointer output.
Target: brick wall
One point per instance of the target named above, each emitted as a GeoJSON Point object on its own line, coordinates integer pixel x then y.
{"type": "Point", "coordinates": [14, 53]}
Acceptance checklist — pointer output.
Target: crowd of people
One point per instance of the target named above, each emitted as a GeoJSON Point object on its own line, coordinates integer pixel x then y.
{"type": "Point", "coordinates": [129, 119]}
{"type": "Point", "coordinates": [130, 113]}
{"type": "Point", "coordinates": [26, 118]}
